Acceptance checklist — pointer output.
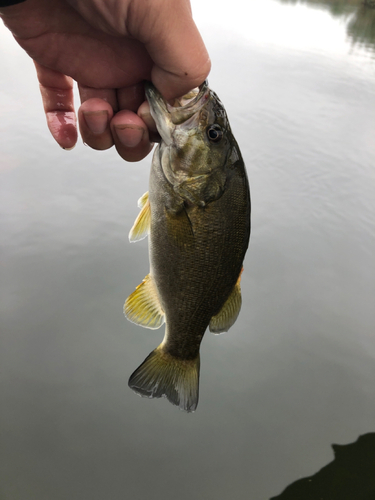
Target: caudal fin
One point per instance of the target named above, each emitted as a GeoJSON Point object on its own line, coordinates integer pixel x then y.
{"type": "Point", "coordinates": [164, 375]}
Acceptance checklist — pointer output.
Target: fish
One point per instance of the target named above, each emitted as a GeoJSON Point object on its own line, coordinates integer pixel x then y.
{"type": "Point", "coordinates": [197, 216]}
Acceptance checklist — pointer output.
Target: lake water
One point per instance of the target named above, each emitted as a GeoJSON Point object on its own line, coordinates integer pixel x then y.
{"type": "Point", "coordinates": [297, 371]}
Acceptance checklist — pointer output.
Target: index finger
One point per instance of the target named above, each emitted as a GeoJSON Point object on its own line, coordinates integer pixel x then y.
{"type": "Point", "coordinates": [57, 96]}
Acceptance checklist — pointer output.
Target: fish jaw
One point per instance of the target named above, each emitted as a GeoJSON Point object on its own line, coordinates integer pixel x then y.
{"type": "Point", "coordinates": [194, 165]}
{"type": "Point", "coordinates": [168, 118]}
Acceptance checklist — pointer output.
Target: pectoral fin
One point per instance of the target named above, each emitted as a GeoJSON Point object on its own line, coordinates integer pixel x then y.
{"type": "Point", "coordinates": [229, 312]}
{"type": "Point", "coordinates": [143, 306]}
{"type": "Point", "coordinates": [141, 226]}
{"type": "Point", "coordinates": [143, 200]}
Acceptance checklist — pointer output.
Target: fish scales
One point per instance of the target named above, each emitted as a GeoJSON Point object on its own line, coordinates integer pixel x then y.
{"type": "Point", "coordinates": [195, 272]}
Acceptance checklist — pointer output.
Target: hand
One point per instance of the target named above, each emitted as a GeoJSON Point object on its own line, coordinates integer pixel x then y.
{"type": "Point", "coordinates": [109, 47]}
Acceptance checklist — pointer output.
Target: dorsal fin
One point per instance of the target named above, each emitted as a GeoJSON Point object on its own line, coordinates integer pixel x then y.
{"type": "Point", "coordinates": [229, 312]}
{"type": "Point", "coordinates": [141, 226]}
{"type": "Point", "coordinates": [143, 306]}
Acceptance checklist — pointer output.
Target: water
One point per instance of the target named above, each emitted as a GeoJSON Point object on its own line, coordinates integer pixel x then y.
{"type": "Point", "coordinates": [293, 376]}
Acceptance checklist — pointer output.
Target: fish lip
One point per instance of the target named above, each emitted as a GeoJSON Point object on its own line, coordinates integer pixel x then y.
{"type": "Point", "coordinates": [155, 97]}
{"type": "Point", "coordinates": [167, 116]}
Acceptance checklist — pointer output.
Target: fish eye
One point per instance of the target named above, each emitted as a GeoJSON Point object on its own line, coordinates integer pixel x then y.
{"type": "Point", "coordinates": [214, 133]}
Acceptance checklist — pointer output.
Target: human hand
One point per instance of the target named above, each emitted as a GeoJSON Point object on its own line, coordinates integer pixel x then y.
{"type": "Point", "coordinates": [108, 47]}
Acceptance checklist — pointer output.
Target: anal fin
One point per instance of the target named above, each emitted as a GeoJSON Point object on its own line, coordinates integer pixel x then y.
{"type": "Point", "coordinates": [143, 306]}
{"type": "Point", "coordinates": [228, 314]}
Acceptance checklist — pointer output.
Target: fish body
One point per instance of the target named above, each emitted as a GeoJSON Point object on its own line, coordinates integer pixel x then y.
{"type": "Point", "coordinates": [197, 215]}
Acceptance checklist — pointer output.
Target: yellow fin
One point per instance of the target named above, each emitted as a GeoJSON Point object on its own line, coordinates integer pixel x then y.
{"type": "Point", "coordinates": [229, 312]}
{"type": "Point", "coordinates": [141, 226]}
{"type": "Point", "coordinates": [164, 375]}
{"type": "Point", "coordinates": [143, 307]}
{"type": "Point", "coordinates": [143, 200]}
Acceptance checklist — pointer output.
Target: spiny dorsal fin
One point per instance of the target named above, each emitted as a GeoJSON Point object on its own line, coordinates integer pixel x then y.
{"type": "Point", "coordinates": [164, 375]}
{"type": "Point", "coordinates": [143, 306]}
{"type": "Point", "coordinates": [229, 312]}
{"type": "Point", "coordinates": [141, 226]}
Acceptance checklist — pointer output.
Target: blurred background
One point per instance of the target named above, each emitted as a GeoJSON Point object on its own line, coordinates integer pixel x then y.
{"type": "Point", "coordinates": [293, 376]}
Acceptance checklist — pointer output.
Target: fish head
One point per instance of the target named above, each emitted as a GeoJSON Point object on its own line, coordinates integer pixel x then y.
{"type": "Point", "coordinates": [196, 139]}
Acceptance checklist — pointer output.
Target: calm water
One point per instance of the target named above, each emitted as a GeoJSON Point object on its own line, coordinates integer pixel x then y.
{"type": "Point", "coordinates": [293, 376]}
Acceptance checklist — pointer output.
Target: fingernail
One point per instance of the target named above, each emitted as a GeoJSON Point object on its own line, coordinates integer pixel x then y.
{"type": "Point", "coordinates": [97, 121]}
{"type": "Point", "coordinates": [129, 135]}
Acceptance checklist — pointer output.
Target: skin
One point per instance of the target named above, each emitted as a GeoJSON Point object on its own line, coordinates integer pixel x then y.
{"type": "Point", "coordinates": [108, 47]}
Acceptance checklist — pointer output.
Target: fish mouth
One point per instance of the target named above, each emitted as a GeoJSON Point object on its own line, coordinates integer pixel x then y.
{"type": "Point", "coordinates": [167, 116]}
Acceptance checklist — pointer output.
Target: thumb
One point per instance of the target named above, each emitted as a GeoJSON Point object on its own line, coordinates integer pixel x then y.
{"type": "Point", "coordinates": [166, 27]}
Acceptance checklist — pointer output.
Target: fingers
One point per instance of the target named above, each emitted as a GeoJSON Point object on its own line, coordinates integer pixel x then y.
{"type": "Point", "coordinates": [57, 96]}
{"type": "Point", "coordinates": [94, 117]}
{"type": "Point", "coordinates": [145, 115]}
{"type": "Point", "coordinates": [131, 136]}
{"type": "Point", "coordinates": [100, 127]}
{"type": "Point", "coordinates": [131, 97]}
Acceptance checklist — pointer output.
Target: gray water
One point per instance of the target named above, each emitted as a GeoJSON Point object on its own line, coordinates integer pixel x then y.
{"type": "Point", "coordinates": [297, 371]}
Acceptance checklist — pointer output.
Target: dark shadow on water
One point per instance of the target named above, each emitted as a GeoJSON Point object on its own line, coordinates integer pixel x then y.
{"type": "Point", "coordinates": [351, 475]}
{"type": "Point", "coordinates": [359, 14]}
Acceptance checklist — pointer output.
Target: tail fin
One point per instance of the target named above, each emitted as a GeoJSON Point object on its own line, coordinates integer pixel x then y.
{"type": "Point", "coordinates": [164, 375]}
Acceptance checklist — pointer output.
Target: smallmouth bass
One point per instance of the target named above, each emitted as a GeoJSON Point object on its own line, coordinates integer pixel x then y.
{"type": "Point", "coordinates": [197, 216]}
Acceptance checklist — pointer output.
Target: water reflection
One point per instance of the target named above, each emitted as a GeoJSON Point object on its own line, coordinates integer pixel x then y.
{"type": "Point", "coordinates": [350, 475]}
{"type": "Point", "coordinates": [360, 16]}
{"type": "Point", "coordinates": [361, 27]}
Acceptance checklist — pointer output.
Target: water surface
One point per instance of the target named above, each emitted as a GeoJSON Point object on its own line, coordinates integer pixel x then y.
{"type": "Point", "coordinates": [293, 376]}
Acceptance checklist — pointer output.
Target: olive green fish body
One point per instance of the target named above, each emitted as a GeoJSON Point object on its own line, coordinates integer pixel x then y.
{"type": "Point", "coordinates": [197, 215]}
{"type": "Point", "coordinates": [196, 256]}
